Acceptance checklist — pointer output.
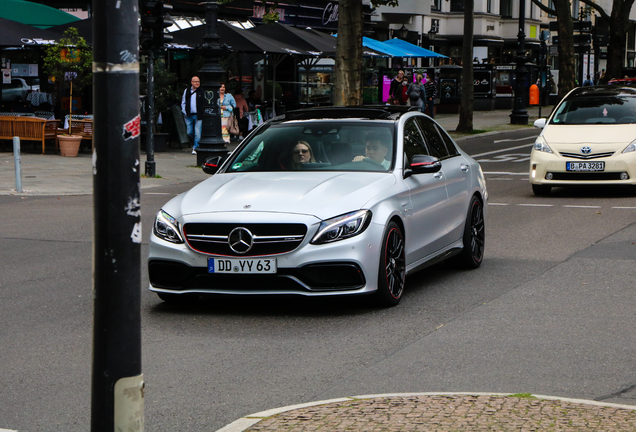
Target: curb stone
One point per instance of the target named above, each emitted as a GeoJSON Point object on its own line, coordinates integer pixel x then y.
{"type": "Point", "coordinates": [245, 423]}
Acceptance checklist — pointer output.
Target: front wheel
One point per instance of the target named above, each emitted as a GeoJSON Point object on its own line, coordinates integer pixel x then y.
{"type": "Point", "coordinates": [474, 236]}
{"type": "Point", "coordinates": [392, 267]}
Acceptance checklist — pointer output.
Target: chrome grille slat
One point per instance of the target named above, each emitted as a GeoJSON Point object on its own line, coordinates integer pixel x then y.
{"type": "Point", "coordinates": [590, 156]}
{"type": "Point", "coordinates": [268, 239]}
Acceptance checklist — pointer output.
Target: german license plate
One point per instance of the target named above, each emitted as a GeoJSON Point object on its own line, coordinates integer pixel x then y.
{"type": "Point", "coordinates": [585, 166]}
{"type": "Point", "coordinates": [242, 266]}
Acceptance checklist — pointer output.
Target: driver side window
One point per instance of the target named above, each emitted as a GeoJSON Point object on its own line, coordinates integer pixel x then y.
{"type": "Point", "coordinates": [413, 141]}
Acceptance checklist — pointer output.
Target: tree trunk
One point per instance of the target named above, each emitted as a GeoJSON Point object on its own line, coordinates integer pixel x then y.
{"type": "Point", "coordinates": [468, 90]}
{"type": "Point", "coordinates": [565, 29]}
{"type": "Point", "coordinates": [619, 26]}
{"type": "Point", "coordinates": [348, 68]}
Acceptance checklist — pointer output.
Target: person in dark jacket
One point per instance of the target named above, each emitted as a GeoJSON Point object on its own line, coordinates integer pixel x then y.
{"type": "Point", "coordinates": [191, 105]}
{"type": "Point", "coordinates": [395, 90]}
{"type": "Point", "coordinates": [430, 87]}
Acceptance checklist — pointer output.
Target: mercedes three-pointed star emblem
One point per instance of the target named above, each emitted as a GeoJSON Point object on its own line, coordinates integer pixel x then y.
{"type": "Point", "coordinates": [240, 240]}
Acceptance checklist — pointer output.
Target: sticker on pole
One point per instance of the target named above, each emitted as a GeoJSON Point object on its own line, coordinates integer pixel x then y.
{"type": "Point", "coordinates": [132, 129]}
{"type": "Point", "coordinates": [129, 404]}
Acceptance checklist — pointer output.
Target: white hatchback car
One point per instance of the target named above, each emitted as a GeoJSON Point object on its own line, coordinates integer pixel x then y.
{"type": "Point", "coordinates": [323, 202]}
{"type": "Point", "coordinates": [589, 139]}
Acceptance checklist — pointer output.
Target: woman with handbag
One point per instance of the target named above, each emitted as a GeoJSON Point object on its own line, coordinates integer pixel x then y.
{"type": "Point", "coordinates": [227, 104]}
{"type": "Point", "coordinates": [417, 93]}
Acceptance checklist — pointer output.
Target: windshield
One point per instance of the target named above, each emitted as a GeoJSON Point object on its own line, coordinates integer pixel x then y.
{"type": "Point", "coordinates": [331, 145]}
{"type": "Point", "coordinates": [618, 109]}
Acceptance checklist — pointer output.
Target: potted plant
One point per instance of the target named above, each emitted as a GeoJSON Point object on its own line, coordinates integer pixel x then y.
{"type": "Point", "coordinates": [70, 60]}
{"type": "Point", "coordinates": [69, 144]}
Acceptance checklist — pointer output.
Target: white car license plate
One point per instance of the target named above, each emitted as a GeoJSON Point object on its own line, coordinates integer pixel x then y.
{"type": "Point", "coordinates": [241, 266]}
{"type": "Point", "coordinates": [585, 166]}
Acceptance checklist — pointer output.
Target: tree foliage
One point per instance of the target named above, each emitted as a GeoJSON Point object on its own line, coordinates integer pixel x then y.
{"type": "Point", "coordinates": [70, 57]}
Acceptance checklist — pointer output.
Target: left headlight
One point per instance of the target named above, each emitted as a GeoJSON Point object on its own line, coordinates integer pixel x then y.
{"type": "Point", "coordinates": [631, 147]}
{"type": "Point", "coordinates": [342, 227]}
{"type": "Point", "coordinates": [167, 228]}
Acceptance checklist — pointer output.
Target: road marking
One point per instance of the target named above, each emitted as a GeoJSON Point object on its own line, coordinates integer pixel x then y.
{"type": "Point", "coordinates": [504, 173]}
{"type": "Point", "coordinates": [625, 208]}
{"type": "Point", "coordinates": [501, 150]}
{"type": "Point", "coordinates": [498, 204]}
{"type": "Point", "coordinates": [151, 193]}
{"type": "Point", "coordinates": [581, 206]}
{"type": "Point", "coordinates": [535, 205]}
{"type": "Point", "coordinates": [8, 430]}
{"type": "Point", "coordinates": [516, 139]}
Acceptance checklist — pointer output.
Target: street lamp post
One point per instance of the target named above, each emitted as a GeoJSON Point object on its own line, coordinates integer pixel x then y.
{"type": "Point", "coordinates": [519, 115]}
{"type": "Point", "coordinates": [211, 143]}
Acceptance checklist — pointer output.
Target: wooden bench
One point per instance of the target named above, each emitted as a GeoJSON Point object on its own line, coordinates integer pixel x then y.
{"type": "Point", "coordinates": [29, 129]}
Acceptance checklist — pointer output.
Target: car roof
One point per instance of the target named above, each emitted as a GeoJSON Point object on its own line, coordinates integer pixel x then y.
{"type": "Point", "coordinates": [602, 91]}
{"type": "Point", "coordinates": [369, 112]}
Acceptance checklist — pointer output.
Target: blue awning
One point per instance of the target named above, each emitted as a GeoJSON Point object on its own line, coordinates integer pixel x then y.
{"type": "Point", "coordinates": [397, 48]}
{"type": "Point", "coordinates": [413, 50]}
{"type": "Point", "coordinates": [390, 51]}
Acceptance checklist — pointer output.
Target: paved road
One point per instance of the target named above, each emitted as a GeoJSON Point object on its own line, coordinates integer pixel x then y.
{"type": "Point", "coordinates": [550, 312]}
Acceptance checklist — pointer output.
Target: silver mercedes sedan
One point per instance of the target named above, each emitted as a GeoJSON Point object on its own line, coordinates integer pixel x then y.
{"type": "Point", "coordinates": [323, 202]}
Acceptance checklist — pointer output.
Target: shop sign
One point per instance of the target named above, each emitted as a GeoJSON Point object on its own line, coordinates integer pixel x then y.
{"type": "Point", "coordinates": [482, 82]}
{"type": "Point", "coordinates": [330, 13]}
{"type": "Point", "coordinates": [448, 88]}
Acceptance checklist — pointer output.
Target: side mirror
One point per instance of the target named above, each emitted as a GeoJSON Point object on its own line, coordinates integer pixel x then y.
{"type": "Point", "coordinates": [212, 164]}
{"type": "Point", "coordinates": [422, 164]}
{"type": "Point", "coordinates": [540, 123]}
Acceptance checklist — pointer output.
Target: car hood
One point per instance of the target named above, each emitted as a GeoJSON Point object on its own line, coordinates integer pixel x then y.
{"type": "Point", "coordinates": [323, 194]}
{"type": "Point", "coordinates": [611, 137]}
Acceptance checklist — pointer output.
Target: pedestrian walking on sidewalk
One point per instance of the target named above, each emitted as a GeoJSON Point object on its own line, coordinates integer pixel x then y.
{"type": "Point", "coordinates": [395, 90]}
{"type": "Point", "coordinates": [227, 104]}
{"type": "Point", "coordinates": [241, 104]}
{"type": "Point", "coordinates": [417, 94]}
{"type": "Point", "coordinates": [191, 105]}
{"type": "Point", "coordinates": [430, 87]}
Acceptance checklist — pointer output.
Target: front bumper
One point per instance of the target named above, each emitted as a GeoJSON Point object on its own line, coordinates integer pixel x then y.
{"type": "Point", "coordinates": [550, 169]}
{"type": "Point", "coordinates": [348, 266]}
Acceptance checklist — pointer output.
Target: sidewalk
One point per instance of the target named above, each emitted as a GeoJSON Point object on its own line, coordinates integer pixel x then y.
{"type": "Point", "coordinates": [56, 175]}
{"type": "Point", "coordinates": [447, 412]}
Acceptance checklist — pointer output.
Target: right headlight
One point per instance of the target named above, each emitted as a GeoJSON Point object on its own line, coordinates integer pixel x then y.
{"type": "Point", "coordinates": [342, 227]}
{"type": "Point", "coordinates": [166, 227]}
{"type": "Point", "coordinates": [541, 145]}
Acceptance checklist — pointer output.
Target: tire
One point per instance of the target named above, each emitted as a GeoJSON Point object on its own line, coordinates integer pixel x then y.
{"type": "Point", "coordinates": [474, 238]}
{"type": "Point", "coordinates": [541, 190]}
{"type": "Point", "coordinates": [392, 267]}
{"type": "Point", "coordinates": [177, 299]}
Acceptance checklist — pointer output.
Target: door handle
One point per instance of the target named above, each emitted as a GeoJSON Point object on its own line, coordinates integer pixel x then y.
{"type": "Point", "coordinates": [438, 175]}
{"type": "Point", "coordinates": [464, 167]}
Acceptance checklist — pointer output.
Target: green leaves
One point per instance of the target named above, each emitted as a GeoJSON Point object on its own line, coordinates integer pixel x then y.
{"type": "Point", "coordinates": [70, 58]}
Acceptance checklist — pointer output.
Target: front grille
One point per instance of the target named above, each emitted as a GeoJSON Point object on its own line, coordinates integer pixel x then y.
{"type": "Point", "coordinates": [587, 176]}
{"type": "Point", "coordinates": [314, 277]}
{"type": "Point", "coordinates": [588, 156]}
{"type": "Point", "coordinates": [268, 239]}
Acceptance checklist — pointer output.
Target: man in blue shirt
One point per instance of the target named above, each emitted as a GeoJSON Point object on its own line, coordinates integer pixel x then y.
{"type": "Point", "coordinates": [191, 104]}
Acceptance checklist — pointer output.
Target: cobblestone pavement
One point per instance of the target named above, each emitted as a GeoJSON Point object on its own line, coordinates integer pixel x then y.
{"type": "Point", "coordinates": [450, 413]}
